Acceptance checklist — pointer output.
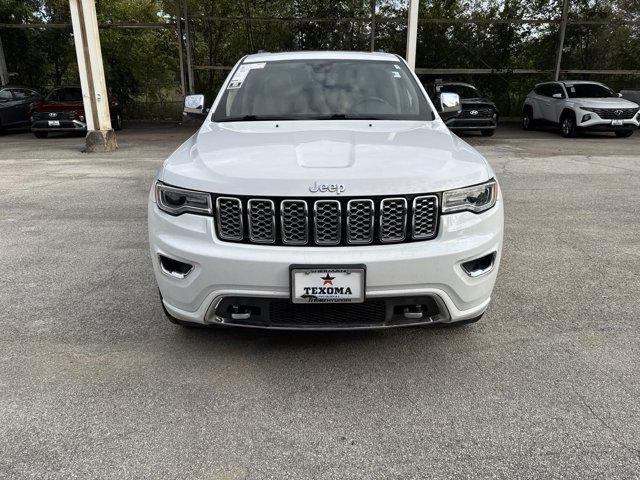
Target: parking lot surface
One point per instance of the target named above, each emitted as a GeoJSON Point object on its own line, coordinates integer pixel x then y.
{"type": "Point", "coordinates": [95, 383]}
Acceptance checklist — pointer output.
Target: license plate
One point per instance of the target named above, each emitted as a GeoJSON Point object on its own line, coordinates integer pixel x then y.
{"type": "Point", "coordinates": [328, 284]}
{"type": "Point", "coordinates": [54, 123]}
{"type": "Point", "coordinates": [616, 123]}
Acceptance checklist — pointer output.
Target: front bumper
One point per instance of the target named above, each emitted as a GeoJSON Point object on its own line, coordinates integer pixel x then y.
{"type": "Point", "coordinates": [421, 269]}
{"type": "Point", "coordinates": [65, 126]}
{"type": "Point", "coordinates": [485, 123]}
{"type": "Point", "coordinates": [597, 124]}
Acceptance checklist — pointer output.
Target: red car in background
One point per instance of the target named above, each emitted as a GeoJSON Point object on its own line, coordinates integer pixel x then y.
{"type": "Point", "coordinates": [62, 111]}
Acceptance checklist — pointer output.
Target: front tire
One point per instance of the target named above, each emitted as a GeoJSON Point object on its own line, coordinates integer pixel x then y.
{"type": "Point", "coordinates": [527, 119]}
{"type": "Point", "coordinates": [487, 133]}
{"type": "Point", "coordinates": [568, 128]}
{"type": "Point", "coordinates": [41, 134]}
{"type": "Point", "coordinates": [624, 133]}
{"type": "Point", "coordinates": [117, 125]}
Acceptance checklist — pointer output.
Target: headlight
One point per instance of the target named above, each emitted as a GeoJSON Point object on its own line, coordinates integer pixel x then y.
{"type": "Point", "coordinates": [473, 199]}
{"type": "Point", "coordinates": [176, 201]}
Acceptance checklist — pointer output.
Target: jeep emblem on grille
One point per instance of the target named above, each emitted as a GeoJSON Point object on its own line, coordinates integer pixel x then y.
{"type": "Point", "coordinates": [336, 188]}
{"type": "Point", "coordinates": [473, 112]}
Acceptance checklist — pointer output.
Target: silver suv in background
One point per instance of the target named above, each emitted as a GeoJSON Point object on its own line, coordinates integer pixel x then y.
{"type": "Point", "coordinates": [576, 106]}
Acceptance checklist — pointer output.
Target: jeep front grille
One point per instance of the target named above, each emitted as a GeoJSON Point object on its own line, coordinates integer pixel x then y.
{"type": "Point", "coordinates": [327, 222]}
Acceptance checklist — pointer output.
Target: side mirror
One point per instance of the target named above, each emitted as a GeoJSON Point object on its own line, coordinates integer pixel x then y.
{"type": "Point", "coordinates": [620, 95]}
{"type": "Point", "coordinates": [194, 105]}
{"type": "Point", "coordinates": [557, 95]}
{"type": "Point", "coordinates": [449, 105]}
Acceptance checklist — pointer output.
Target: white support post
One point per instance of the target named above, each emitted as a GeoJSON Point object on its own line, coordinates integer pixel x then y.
{"type": "Point", "coordinates": [563, 29]}
{"type": "Point", "coordinates": [187, 39]}
{"type": "Point", "coordinates": [100, 135]}
{"type": "Point", "coordinates": [4, 73]}
{"type": "Point", "coordinates": [180, 59]}
{"type": "Point", "coordinates": [412, 33]}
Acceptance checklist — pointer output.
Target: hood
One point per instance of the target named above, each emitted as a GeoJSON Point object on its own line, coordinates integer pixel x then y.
{"type": "Point", "coordinates": [612, 102]}
{"type": "Point", "coordinates": [286, 158]}
{"type": "Point", "coordinates": [58, 106]}
{"type": "Point", "coordinates": [477, 101]}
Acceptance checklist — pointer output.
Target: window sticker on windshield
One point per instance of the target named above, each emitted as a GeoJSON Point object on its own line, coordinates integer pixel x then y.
{"type": "Point", "coordinates": [242, 72]}
{"type": "Point", "coordinates": [396, 74]}
{"type": "Point", "coordinates": [397, 66]}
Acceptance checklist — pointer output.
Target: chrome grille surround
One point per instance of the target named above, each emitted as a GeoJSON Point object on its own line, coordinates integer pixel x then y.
{"type": "Point", "coordinates": [360, 221]}
{"type": "Point", "coordinates": [229, 218]}
{"type": "Point", "coordinates": [424, 217]}
{"type": "Point", "coordinates": [393, 219]}
{"type": "Point", "coordinates": [327, 221]}
{"type": "Point", "coordinates": [261, 214]}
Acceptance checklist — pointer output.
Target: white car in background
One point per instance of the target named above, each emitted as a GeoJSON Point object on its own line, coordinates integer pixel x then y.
{"type": "Point", "coordinates": [580, 105]}
{"type": "Point", "coordinates": [324, 191]}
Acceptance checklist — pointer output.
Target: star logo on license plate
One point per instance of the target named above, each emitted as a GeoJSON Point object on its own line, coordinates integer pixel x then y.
{"type": "Point", "coordinates": [327, 279]}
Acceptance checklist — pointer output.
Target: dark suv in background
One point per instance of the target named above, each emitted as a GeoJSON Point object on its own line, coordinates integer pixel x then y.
{"type": "Point", "coordinates": [15, 103]}
{"type": "Point", "coordinates": [478, 113]}
{"type": "Point", "coordinates": [63, 111]}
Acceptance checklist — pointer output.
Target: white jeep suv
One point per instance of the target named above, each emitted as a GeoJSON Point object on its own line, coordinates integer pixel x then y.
{"type": "Point", "coordinates": [324, 191]}
{"type": "Point", "coordinates": [579, 105]}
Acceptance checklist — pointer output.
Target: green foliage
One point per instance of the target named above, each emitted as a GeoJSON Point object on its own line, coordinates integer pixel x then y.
{"type": "Point", "coordinates": [142, 66]}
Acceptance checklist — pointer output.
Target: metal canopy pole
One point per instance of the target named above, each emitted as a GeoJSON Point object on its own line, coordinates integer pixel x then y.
{"type": "Point", "coordinates": [187, 38]}
{"type": "Point", "coordinates": [179, 33]}
{"type": "Point", "coordinates": [563, 29]}
{"type": "Point", "coordinates": [373, 25]}
{"type": "Point", "coordinates": [412, 33]}
{"type": "Point", "coordinates": [100, 136]}
{"type": "Point", "coordinates": [4, 73]}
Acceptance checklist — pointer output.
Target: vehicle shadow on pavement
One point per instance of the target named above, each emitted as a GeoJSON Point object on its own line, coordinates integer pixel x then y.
{"type": "Point", "coordinates": [237, 339]}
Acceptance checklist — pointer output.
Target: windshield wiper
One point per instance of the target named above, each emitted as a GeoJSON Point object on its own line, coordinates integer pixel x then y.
{"type": "Point", "coordinates": [344, 116]}
{"type": "Point", "coordinates": [258, 118]}
{"type": "Point", "coordinates": [250, 118]}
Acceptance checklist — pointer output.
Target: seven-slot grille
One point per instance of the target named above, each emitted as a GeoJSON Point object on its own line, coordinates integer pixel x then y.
{"type": "Point", "coordinates": [614, 113]}
{"type": "Point", "coordinates": [327, 221]}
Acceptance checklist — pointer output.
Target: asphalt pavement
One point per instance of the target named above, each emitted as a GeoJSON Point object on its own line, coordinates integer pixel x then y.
{"type": "Point", "coordinates": [95, 383]}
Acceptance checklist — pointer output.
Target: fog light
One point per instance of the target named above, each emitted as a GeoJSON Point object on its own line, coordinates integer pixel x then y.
{"type": "Point", "coordinates": [586, 118]}
{"type": "Point", "coordinates": [479, 266]}
{"type": "Point", "coordinates": [174, 268]}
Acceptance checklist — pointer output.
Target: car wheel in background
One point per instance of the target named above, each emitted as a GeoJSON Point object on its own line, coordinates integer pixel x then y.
{"type": "Point", "coordinates": [568, 127]}
{"type": "Point", "coordinates": [624, 133]}
{"type": "Point", "coordinates": [41, 134]}
{"type": "Point", "coordinates": [487, 133]}
{"type": "Point", "coordinates": [527, 119]}
{"type": "Point", "coordinates": [118, 122]}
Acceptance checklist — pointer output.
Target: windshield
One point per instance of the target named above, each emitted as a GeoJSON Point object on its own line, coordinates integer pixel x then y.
{"type": "Point", "coordinates": [464, 91]}
{"type": "Point", "coordinates": [65, 95]}
{"type": "Point", "coordinates": [589, 90]}
{"type": "Point", "coordinates": [322, 90]}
